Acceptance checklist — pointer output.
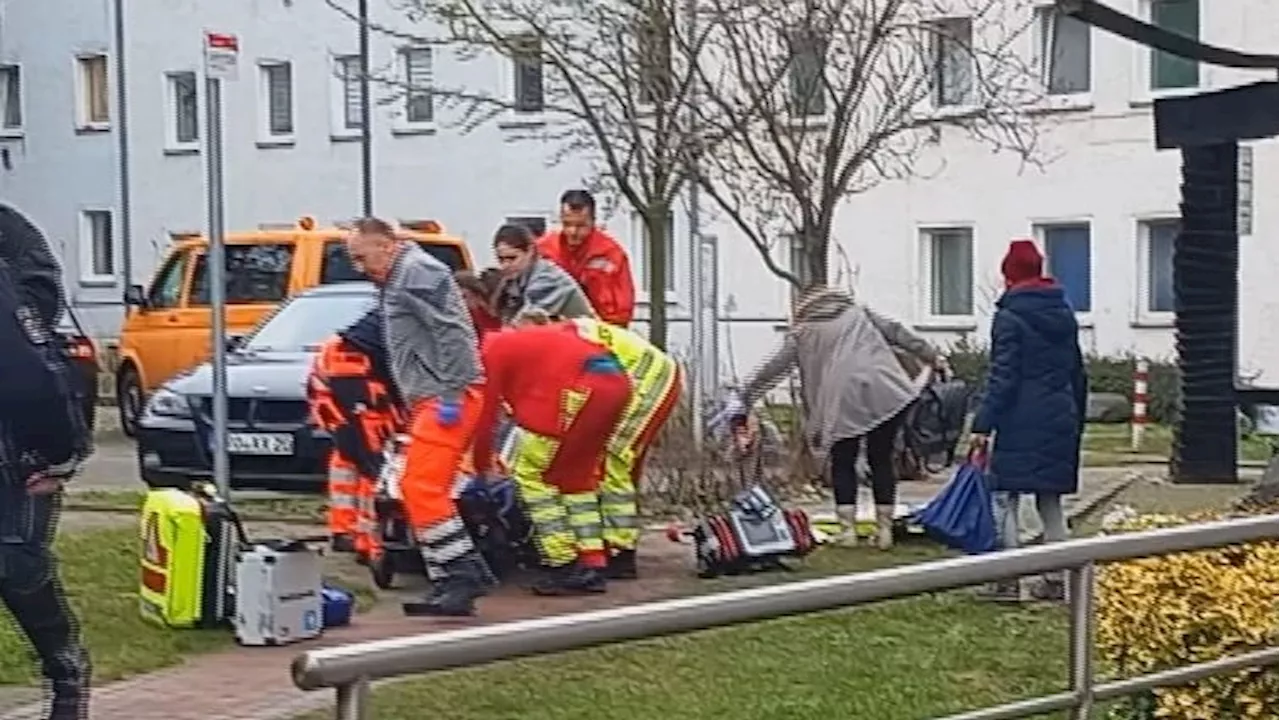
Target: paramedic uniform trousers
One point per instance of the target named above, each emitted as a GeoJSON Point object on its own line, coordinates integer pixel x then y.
{"type": "Point", "coordinates": [343, 483]}
{"type": "Point", "coordinates": [559, 479]}
{"type": "Point", "coordinates": [656, 389]}
{"type": "Point", "coordinates": [430, 473]}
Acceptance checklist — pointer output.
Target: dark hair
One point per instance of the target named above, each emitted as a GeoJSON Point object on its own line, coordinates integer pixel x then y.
{"type": "Point", "coordinates": [374, 226]}
{"type": "Point", "coordinates": [579, 200]}
{"type": "Point", "coordinates": [491, 280]}
{"type": "Point", "coordinates": [516, 236]}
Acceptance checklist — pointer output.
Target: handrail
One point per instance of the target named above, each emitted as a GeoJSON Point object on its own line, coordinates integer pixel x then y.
{"type": "Point", "coordinates": [351, 667]}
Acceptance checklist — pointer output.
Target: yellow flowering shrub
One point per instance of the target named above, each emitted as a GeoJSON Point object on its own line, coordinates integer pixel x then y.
{"type": "Point", "coordinates": [1163, 612]}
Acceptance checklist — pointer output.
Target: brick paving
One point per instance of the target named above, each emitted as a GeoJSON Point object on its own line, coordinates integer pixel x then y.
{"type": "Point", "coordinates": [255, 683]}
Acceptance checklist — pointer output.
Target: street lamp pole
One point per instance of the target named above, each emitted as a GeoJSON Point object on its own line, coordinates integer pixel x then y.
{"type": "Point", "coordinates": [366, 116]}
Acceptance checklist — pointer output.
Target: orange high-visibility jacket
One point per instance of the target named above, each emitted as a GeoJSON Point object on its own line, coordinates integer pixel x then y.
{"type": "Point", "coordinates": [357, 409]}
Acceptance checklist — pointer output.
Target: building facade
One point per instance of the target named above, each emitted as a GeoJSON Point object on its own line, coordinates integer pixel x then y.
{"type": "Point", "coordinates": [926, 250]}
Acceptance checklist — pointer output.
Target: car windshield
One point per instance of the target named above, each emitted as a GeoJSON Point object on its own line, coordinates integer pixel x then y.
{"type": "Point", "coordinates": [303, 323]}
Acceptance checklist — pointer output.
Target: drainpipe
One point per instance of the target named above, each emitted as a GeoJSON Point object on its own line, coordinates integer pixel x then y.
{"type": "Point", "coordinates": [122, 139]}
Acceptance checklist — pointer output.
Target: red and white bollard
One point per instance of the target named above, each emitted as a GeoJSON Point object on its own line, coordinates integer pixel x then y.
{"type": "Point", "coordinates": [1138, 425]}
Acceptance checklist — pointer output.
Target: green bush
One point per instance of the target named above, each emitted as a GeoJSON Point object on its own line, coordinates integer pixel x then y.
{"type": "Point", "coordinates": [1107, 374]}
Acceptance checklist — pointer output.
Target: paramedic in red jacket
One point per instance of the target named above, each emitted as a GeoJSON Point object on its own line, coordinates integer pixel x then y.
{"type": "Point", "coordinates": [568, 394]}
{"type": "Point", "coordinates": [592, 257]}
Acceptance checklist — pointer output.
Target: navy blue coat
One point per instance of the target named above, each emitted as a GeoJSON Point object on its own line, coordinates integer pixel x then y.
{"type": "Point", "coordinates": [1036, 391]}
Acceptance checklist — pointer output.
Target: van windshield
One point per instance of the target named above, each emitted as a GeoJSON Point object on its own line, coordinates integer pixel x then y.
{"type": "Point", "coordinates": [335, 266]}
{"type": "Point", "coordinates": [304, 323]}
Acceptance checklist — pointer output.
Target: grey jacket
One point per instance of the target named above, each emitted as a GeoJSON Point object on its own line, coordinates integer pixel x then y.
{"type": "Point", "coordinates": [545, 286]}
{"type": "Point", "coordinates": [430, 341]}
{"type": "Point", "coordinates": [850, 377]}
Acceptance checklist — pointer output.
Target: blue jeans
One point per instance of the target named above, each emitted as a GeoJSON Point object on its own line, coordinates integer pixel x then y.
{"type": "Point", "coordinates": [1049, 506]}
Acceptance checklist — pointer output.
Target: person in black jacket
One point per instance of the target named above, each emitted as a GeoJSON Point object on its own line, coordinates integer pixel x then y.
{"type": "Point", "coordinates": [43, 441]}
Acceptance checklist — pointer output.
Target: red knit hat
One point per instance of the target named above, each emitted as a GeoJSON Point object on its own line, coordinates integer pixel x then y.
{"type": "Point", "coordinates": [1023, 262]}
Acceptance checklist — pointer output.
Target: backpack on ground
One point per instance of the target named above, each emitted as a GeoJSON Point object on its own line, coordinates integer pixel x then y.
{"type": "Point", "coordinates": [935, 422]}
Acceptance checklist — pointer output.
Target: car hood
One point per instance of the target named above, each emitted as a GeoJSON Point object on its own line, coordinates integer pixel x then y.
{"type": "Point", "coordinates": [277, 375]}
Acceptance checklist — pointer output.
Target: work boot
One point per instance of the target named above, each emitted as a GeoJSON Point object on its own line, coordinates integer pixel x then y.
{"type": "Point", "coordinates": [572, 579]}
{"type": "Point", "coordinates": [884, 526]}
{"type": "Point", "coordinates": [847, 518]}
{"type": "Point", "coordinates": [342, 543]}
{"type": "Point", "coordinates": [622, 565]}
{"type": "Point", "coordinates": [455, 586]}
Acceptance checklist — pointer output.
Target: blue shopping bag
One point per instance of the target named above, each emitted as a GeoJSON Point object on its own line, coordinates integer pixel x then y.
{"type": "Point", "coordinates": [960, 515]}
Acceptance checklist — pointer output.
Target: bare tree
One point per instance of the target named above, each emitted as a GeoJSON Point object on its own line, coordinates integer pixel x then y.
{"type": "Point", "coordinates": [605, 81]}
{"type": "Point", "coordinates": [816, 100]}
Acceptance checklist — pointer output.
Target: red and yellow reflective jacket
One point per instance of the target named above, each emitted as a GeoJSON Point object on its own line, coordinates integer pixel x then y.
{"type": "Point", "coordinates": [601, 267]}
{"type": "Point", "coordinates": [347, 400]}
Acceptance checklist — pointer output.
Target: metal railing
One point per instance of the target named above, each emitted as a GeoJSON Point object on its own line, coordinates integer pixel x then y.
{"type": "Point", "coordinates": [351, 668]}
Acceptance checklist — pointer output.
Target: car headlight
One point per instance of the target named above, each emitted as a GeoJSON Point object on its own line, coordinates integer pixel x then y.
{"type": "Point", "coordinates": [167, 403]}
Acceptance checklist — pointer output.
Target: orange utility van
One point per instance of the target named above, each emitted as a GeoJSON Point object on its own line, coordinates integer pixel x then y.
{"type": "Point", "coordinates": [167, 326]}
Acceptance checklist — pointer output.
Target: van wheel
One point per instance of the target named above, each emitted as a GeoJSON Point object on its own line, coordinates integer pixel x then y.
{"type": "Point", "coordinates": [130, 399]}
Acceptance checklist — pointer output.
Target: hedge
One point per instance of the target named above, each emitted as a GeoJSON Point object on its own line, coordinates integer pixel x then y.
{"type": "Point", "coordinates": [1159, 613]}
{"type": "Point", "coordinates": [1107, 374]}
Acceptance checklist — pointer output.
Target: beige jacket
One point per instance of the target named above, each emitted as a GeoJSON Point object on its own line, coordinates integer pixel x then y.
{"type": "Point", "coordinates": [850, 377]}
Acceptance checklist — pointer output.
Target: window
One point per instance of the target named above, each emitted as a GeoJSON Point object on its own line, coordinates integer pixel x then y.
{"type": "Point", "coordinates": [653, 51]}
{"type": "Point", "coordinates": [1170, 71]}
{"type": "Point", "coordinates": [166, 291]}
{"type": "Point", "coordinates": [419, 107]}
{"type": "Point", "coordinates": [1065, 52]}
{"type": "Point", "coordinates": [184, 110]}
{"type": "Point", "coordinates": [535, 224]}
{"type": "Point", "coordinates": [1068, 256]}
{"type": "Point", "coordinates": [277, 99]}
{"type": "Point", "coordinates": [336, 267]}
{"type": "Point", "coordinates": [257, 273]}
{"type": "Point", "coordinates": [948, 255]}
{"type": "Point", "coordinates": [10, 98]}
{"type": "Point", "coordinates": [805, 76]}
{"type": "Point", "coordinates": [98, 246]}
{"type": "Point", "coordinates": [526, 58]}
{"type": "Point", "coordinates": [1159, 238]}
{"type": "Point", "coordinates": [641, 259]}
{"type": "Point", "coordinates": [798, 264]}
{"type": "Point", "coordinates": [951, 49]}
{"type": "Point", "coordinates": [349, 77]}
{"type": "Point", "coordinates": [94, 101]}
{"type": "Point", "coordinates": [304, 323]}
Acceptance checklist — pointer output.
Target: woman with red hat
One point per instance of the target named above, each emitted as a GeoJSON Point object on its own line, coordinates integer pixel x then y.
{"type": "Point", "coordinates": [1034, 405]}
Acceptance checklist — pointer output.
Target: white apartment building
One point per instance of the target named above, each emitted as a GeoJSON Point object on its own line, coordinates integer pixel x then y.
{"type": "Point", "coordinates": [926, 251]}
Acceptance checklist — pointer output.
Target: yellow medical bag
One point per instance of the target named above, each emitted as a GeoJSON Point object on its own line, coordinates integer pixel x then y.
{"type": "Point", "coordinates": [188, 543]}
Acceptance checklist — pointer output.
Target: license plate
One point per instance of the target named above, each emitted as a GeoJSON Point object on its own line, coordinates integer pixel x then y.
{"type": "Point", "coordinates": [260, 443]}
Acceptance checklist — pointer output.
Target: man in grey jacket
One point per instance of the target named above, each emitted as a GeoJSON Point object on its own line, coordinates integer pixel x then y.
{"type": "Point", "coordinates": [435, 365]}
{"type": "Point", "coordinates": [855, 390]}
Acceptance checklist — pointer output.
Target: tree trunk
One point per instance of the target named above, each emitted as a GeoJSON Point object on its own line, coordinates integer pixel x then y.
{"type": "Point", "coordinates": [815, 254]}
{"type": "Point", "coordinates": [657, 262]}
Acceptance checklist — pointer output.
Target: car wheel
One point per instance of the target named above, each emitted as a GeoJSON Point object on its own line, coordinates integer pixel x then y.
{"type": "Point", "coordinates": [130, 399]}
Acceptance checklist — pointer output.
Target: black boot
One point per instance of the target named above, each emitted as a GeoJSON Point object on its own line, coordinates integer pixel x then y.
{"type": "Point", "coordinates": [622, 566]}
{"type": "Point", "coordinates": [455, 586]}
{"type": "Point", "coordinates": [572, 579]}
{"type": "Point", "coordinates": [342, 543]}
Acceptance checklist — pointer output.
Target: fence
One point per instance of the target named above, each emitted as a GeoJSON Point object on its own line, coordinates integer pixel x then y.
{"type": "Point", "coordinates": [351, 668]}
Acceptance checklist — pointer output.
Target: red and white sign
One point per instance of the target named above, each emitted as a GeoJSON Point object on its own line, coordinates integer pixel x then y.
{"type": "Point", "coordinates": [221, 55]}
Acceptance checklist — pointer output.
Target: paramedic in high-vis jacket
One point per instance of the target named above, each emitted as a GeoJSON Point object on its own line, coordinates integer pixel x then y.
{"type": "Point", "coordinates": [352, 397]}
{"type": "Point", "coordinates": [435, 366]}
{"type": "Point", "coordinates": [655, 382]}
{"type": "Point", "coordinates": [43, 441]}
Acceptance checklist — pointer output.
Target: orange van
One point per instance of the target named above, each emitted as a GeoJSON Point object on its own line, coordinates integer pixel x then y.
{"type": "Point", "coordinates": [167, 326]}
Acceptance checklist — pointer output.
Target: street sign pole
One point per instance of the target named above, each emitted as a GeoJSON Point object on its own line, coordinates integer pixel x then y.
{"type": "Point", "coordinates": [221, 54]}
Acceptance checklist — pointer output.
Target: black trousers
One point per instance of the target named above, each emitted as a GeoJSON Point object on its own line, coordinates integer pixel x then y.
{"type": "Point", "coordinates": [844, 457]}
{"type": "Point", "coordinates": [33, 593]}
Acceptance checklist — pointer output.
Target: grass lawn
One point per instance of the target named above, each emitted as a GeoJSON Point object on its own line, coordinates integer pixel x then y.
{"type": "Point", "coordinates": [910, 658]}
{"type": "Point", "coordinates": [100, 570]}
{"type": "Point", "coordinates": [1109, 444]}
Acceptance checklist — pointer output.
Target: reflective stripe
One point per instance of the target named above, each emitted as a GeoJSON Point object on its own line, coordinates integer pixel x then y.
{"type": "Point", "coordinates": [616, 498]}
{"type": "Point", "coordinates": [345, 502]}
{"type": "Point", "coordinates": [620, 520]}
{"type": "Point", "coordinates": [442, 530]}
{"type": "Point", "coordinates": [343, 474]}
{"type": "Point", "coordinates": [645, 401]}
